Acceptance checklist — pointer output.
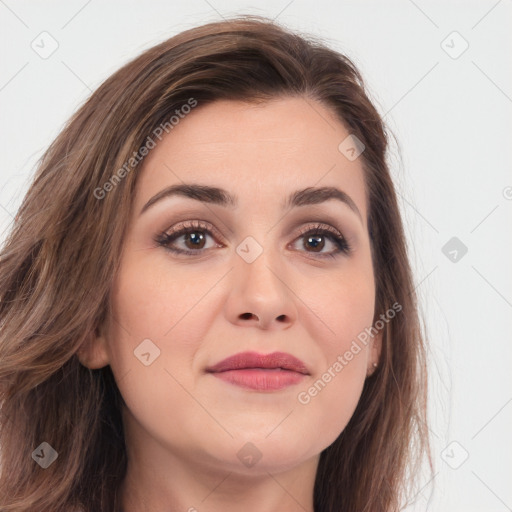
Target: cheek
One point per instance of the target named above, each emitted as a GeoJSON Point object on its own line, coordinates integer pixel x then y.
{"type": "Point", "coordinates": [345, 309]}
{"type": "Point", "coordinates": [148, 301]}
{"type": "Point", "coordinates": [140, 316]}
{"type": "Point", "coordinates": [159, 317]}
{"type": "Point", "coordinates": [331, 395]}
{"type": "Point", "coordinates": [164, 317]}
{"type": "Point", "coordinates": [330, 401]}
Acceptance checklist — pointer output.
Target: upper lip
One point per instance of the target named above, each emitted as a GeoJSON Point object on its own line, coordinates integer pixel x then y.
{"type": "Point", "coordinates": [254, 360]}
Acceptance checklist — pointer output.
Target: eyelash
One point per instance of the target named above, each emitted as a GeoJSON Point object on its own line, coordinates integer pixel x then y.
{"type": "Point", "coordinates": [165, 239]}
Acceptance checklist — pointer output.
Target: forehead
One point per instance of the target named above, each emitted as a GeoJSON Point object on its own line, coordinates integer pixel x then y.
{"type": "Point", "coordinates": [258, 152]}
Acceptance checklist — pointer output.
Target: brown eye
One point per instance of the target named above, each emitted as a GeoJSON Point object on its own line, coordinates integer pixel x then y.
{"type": "Point", "coordinates": [194, 240]}
{"type": "Point", "coordinates": [315, 240]}
{"type": "Point", "coordinates": [190, 239]}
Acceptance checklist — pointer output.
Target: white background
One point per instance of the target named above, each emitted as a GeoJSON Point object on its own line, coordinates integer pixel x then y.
{"type": "Point", "coordinates": [452, 119]}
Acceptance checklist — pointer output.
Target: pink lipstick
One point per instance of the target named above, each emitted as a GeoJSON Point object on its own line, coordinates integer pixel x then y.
{"type": "Point", "coordinates": [262, 372]}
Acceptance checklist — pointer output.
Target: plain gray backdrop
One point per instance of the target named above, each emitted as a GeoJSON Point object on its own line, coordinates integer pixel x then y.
{"type": "Point", "coordinates": [440, 73]}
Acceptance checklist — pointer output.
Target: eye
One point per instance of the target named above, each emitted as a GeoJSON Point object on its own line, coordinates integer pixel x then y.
{"type": "Point", "coordinates": [315, 238]}
{"type": "Point", "coordinates": [194, 234]}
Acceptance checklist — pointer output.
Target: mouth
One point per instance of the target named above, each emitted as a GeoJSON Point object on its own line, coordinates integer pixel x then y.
{"type": "Point", "coordinates": [261, 372]}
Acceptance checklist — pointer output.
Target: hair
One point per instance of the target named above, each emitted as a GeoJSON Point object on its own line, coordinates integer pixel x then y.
{"type": "Point", "coordinates": [61, 255]}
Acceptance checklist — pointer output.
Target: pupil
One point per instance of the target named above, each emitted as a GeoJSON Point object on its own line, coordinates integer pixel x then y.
{"type": "Point", "coordinates": [317, 243]}
{"type": "Point", "coordinates": [195, 239]}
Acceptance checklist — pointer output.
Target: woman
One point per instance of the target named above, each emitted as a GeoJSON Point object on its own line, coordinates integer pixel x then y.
{"type": "Point", "coordinates": [206, 300]}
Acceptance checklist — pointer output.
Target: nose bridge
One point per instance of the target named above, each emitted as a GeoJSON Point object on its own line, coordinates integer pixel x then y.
{"type": "Point", "coordinates": [257, 265]}
{"type": "Point", "coordinates": [259, 293]}
{"type": "Point", "coordinates": [257, 253]}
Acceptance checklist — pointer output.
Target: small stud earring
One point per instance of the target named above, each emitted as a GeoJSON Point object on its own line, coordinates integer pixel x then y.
{"type": "Point", "coordinates": [375, 365]}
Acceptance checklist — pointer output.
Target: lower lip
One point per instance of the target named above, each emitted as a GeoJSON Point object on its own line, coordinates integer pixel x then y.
{"type": "Point", "coordinates": [261, 379]}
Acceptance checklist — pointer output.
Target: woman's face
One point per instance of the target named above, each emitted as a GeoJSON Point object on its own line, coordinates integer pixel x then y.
{"type": "Point", "coordinates": [263, 273]}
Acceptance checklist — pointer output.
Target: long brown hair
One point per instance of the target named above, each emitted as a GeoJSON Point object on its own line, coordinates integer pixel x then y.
{"type": "Point", "coordinates": [59, 260]}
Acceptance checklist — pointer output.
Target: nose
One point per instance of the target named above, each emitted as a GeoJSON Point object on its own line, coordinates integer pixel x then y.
{"type": "Point", "coordinates": [261, 295]}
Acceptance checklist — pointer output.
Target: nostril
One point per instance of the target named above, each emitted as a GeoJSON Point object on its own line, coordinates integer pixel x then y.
{"type": "Point", "coordinates": [246, 316]}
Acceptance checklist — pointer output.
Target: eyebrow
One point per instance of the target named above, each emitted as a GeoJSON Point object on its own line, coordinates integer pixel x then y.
{"type": "Point", "coordinates": [221, 197]}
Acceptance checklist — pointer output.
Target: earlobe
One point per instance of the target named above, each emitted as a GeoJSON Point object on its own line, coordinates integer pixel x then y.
{"type": "Point", "coordinates": [374, 356]}
{"type": "Point", "coordinates": [93, 353]}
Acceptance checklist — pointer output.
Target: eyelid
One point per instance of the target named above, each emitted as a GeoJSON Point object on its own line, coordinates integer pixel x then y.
{"type": "Point", "coordinates": [342, 243]}
{"type": "Point", "coordinates": [195, 224]}
{"type": "Point", "coordinates": [321, 226]}
{"type": "Point", "coordinates": [201, 224]}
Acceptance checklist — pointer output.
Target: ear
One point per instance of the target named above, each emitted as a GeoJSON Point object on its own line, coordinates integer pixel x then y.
{"type": "Point", "coordinates": [374, 354]}
{"type": "Point", "coordinates": [93, 353]}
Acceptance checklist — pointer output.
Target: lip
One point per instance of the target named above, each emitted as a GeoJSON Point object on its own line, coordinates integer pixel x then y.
{"type": "Point", "coordinates": [262, 372]}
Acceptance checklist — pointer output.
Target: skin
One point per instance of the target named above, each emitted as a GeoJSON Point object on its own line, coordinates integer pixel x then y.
{"type": "Point", "coordinates": [184, 427]}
